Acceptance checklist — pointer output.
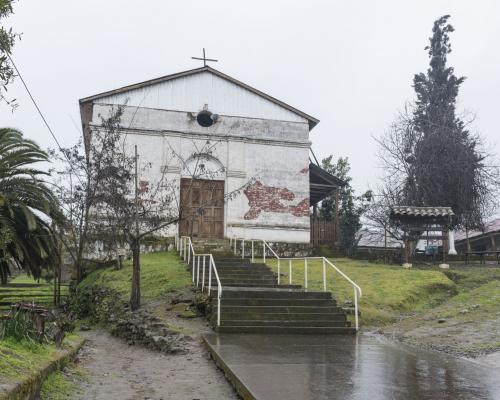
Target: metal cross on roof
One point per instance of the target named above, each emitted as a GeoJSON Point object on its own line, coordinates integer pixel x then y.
{"type": "Point", "coordinates": [204, 58]}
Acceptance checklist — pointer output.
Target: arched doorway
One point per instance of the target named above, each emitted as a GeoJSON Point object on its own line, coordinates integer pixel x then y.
{"type": "Point", "coordinates": [202, 197]}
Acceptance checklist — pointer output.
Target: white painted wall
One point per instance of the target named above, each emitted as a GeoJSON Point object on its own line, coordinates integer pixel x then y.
{"type": "Point", "coordinates": [191, 93]}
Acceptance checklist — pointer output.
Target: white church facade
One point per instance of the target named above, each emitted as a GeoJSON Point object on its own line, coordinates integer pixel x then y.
{"type": "Point", "coordinates": [237, 153]}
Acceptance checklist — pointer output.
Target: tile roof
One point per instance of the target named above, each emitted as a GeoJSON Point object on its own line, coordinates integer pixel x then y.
{"type": "Point", "coordinates": [422, 211]}
{"type": "Point", "coordinates": [489, 227]}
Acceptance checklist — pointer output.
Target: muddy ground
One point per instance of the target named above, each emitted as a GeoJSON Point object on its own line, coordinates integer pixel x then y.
{"type": "Point", "coordinates": [116, 370]}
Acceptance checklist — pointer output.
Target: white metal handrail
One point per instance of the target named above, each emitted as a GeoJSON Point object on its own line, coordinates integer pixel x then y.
{"type": "Point", "coordinates": [325, 261]}
{"type": "Point", "coordinates": [184, 246]}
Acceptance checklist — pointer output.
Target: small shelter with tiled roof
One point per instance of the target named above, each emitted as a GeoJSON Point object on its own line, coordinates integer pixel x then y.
{"type": "Point", "coordinates": [417, 221]}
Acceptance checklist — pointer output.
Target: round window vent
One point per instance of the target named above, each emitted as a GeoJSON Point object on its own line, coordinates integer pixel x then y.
{"type": "Point", "coordinates": [205, 119]}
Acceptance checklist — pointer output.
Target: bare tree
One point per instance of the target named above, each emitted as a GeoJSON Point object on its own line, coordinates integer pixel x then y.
{"type": "Point", "coordinates": [130, 202]}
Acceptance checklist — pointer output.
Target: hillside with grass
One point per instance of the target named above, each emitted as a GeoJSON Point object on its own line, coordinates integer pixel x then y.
{"type": "Point", "coordinates": [389, 292]}
{"type": "Point", "coordinates": [161, 273]}
{"type": "Point", "coordinates": [467, 324]}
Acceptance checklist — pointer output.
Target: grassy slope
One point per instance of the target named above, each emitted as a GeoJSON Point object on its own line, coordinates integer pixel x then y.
{"type": "Point", "coordinates": [161, 273]}
{"type": "Point", "coordinates": [471, 318]}
{"type": "Point", "coordinates": [388, 291]}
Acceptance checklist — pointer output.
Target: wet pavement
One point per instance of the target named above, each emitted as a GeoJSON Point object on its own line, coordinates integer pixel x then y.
{"type": "Point", "coordinates": [275, 367]}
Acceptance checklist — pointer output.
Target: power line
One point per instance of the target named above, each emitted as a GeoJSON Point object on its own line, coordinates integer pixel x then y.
{"type": "Point", "coordinates": [34, 102]}
{"type": "Point", "coordinates": [42, 116]}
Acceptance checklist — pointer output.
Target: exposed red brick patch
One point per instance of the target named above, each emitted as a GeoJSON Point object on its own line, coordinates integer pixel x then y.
{"type": "Point", "coordinates": [268, 199]}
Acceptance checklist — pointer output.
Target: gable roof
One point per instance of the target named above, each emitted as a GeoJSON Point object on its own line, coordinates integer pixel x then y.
{"type": "Point", "coordinates": [312, 121]}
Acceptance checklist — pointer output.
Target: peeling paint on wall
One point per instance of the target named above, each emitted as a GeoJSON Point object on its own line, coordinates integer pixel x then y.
{"type": "Point", "coordinates": [263, 198]}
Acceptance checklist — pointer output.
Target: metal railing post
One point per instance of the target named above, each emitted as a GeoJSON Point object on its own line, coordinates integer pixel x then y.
{"type": "Point", "coordinates": [243, 248]}
{"type": "Point", "coordinates": [235, 240]}
{"type": "Point", "coordinates": [203, 276]}
{"type": "Point", "coordinates": [279, 271]}
{"type": "Point", "coordinates": [193, 273]}
{"type": "Point", "coordinates": [324, 275]}
{"type": "Point", "coordinates": [218, 305]}
{"type": "Point", "coordinates": [210, 275]}
{"type": "Point", "coordinates": [305, 273]}
{"type": "Point", "coordinates": [252, 251]}
{"type": "Point", "coordinates": [194, 256]}
{"type": "Point", "coordinates": [356, 309]}
{"type": "Point", "coordinates": [264, 252]}
{"type": "Point", "coordinates": [189, 250]}
{"type": "Point", "coordinates": [290, 270]}
{"type": "Point", "coordinates": [198, 273]}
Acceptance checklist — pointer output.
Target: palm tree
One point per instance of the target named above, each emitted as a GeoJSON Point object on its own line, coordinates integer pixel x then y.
{"type": "Point", "coordinates": [27, 208]}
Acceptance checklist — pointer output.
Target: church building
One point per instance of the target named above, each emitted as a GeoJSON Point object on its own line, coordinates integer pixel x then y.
{"type": "Point", "coordinates": [240, 155]}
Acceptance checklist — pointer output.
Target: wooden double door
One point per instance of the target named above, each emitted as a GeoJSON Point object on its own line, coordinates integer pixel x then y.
{"type": "Point", "coordinates": [202, 208]}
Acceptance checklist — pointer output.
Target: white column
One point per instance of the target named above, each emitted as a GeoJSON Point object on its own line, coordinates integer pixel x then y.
{"type": "Point", "coordinates": [451, 239]}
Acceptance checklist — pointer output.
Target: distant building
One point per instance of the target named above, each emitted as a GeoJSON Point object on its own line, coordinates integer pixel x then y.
{"type": "Point", "coordinates": [487, 240]}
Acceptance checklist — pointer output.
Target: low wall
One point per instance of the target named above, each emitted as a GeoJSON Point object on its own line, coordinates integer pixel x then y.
{"type": "Point", "coordinates": [29, 389]}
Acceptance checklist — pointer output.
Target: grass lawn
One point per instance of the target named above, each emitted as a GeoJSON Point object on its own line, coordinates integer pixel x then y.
{"type": "Point", "coordinates": [389, 292]}
{"type": "Point", "coordinates": [161, 273]}
{"type": "Point", "coordinates": [65, 384]}
{"type": "Point", "coordinates": [25, 288]}
{"type": "Point", "coordinates": [466, 324]}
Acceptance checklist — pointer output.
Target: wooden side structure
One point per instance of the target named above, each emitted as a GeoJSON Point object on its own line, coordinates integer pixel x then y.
{"type": "Point", "coordinates": [322, 184]}
{"type": "Point", "coordinates": [323, 231]}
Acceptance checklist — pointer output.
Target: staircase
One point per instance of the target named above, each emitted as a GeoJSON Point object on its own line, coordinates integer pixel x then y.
{"type": "Point", "coordinates": [253, 302]}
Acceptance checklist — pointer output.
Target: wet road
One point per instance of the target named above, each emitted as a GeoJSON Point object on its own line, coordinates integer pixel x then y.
{"type": "Point", "coordinates": [275, 367]}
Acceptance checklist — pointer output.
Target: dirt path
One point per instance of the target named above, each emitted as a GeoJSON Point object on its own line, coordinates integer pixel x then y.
{"type": "Point", "coordinates": [118, 371]}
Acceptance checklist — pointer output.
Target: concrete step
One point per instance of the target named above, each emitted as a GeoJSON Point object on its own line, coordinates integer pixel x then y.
{"type": "Point", "coordinates": [250, 274]}
{"type": "Point", "coordinates": [286, 329]}
{"type": "Point", "coordinates": [244, 270]}
{"type": "Point", "coordinates": [277, 302]}
{"type": "Point", "coordinates": [222, 265]}
{"type": "Point", "coordinates": [236, 260]}
{"type": "Point", "coordinates": [284, 323]}
{"type": "Point", "coordinates": [266, 286]}
{"type": "Point", "coordinates": [228, 280]}
{"type": "Point", "coordinates": [278, 309]}
{"type": "Point", "coordinates": [276, 293]}
{"type": "Point", "coordinates": [229, 316]}
{"type": "Point", "coordinates": [242, 273]}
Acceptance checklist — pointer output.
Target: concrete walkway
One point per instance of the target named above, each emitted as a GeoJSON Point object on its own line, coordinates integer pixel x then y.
{"type": "Point", "coordinates": [302, 367]}
{"type": "Point", "coordinates": [113, 370]}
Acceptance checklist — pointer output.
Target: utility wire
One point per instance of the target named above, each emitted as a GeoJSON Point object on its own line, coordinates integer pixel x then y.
{"type": "Point", "coordinates": [41, 115]}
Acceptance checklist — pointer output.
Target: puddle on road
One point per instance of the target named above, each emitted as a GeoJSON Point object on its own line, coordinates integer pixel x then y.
{"type": "Point", "coordinates": [349, 367]}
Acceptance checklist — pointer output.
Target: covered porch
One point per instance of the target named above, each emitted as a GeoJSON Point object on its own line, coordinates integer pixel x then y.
{"type": "Point", "coordinates": [322, 184]}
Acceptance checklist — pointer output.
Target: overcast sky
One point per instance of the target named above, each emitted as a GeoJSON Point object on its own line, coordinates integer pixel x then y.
{"type": "Point", "coordinates": [348, 63]}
